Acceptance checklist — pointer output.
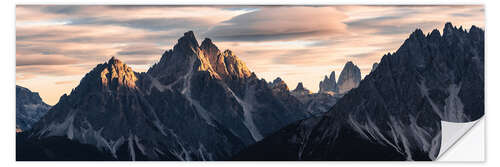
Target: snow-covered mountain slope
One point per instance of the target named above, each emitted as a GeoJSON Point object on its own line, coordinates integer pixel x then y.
{"type": "Point", "coordinates": [196, 103]}
{"type": "Point", "coordinates": [396, 112]}
{"type": "Point", "coordinates": [29, 108]}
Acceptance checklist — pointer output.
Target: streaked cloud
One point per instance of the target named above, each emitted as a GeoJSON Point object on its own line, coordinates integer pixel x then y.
{"type": "Point", "coordinates": [46, 59]}
{"type": "Point", "coordinates": [53, 70]}
{"type": "Point", "coordinates": [64, 82]}
{"type": "Point", "coordinates": [281, 23]}
{"type": "Point", "coordinates": [152, 24]}
{"type": "Point", "coordinates": [57, 44]}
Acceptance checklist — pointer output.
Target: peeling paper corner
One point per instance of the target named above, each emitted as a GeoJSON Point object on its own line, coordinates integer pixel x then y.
{"type": "Point", "coordinates": [452, 134]}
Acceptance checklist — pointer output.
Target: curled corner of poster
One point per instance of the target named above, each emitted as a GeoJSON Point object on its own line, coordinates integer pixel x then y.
{"type": "Point", "coordinates": [462, 142]}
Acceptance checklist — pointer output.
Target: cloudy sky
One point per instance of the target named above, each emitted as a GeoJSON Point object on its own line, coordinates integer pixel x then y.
{"type": "Point", "coordinates": [57, 45]}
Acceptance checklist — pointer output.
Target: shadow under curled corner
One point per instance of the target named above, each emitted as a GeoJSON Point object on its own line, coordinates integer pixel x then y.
{"type": "Point", "coordinates": [452, 133]}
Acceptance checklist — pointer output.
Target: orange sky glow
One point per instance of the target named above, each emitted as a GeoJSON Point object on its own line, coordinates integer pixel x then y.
{"type": "Point", "coordinates": [57, 45]}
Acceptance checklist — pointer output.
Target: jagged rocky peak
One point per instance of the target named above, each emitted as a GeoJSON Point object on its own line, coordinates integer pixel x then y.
{"type": "Point", "coordinates": [234, 65]}
{"type": "Point", "coordinates": [300, 86]}
{"type": "Point", "coordinates": [279, 84]}
{"type": "Point", "coordinates": [417, 34]}
{"type": "Point", "coordinates": [449, 29]}
{"type": "Point", "coordinates": [181, 60]}
{"type": "Point", "coordinates": [278, 81]}
{"type": "Point", "coordinates": [459, 34]}
{"type": "Point", "coordinates": [116, 73]}
{"type": "Point", "coordinates": [214, 56]}
{"type": "Point", "coordinates": [188, 55]}
{"type": "Point", "coordinates": [29, 108]}
{"type": "Point", "coordinates": [188, 41]}
{"type": "Point", "coordinates": [208, 45]}
{"type": "Point", "coordinates": [25, 95]}
{"type": "Point", "coordinates": [451, 36]}
{"type": "Point", "coordinates": [210, 50]}
{"type": "Point", "coordinates": [396, 112]}
{"type": "Point", "coordinates": [476, 32]}
{"type": "Point", "coordinates": [225, 64]}
{"type": "Point", "coordinates": [300, 90]}
{"type": "Point", "coordinates": [349, 77]}
{"type": "Point", "coordinates": [435, 34]}
{"type": "Point", "coordinates": [113, 74]}
{"type": "Point", "coordinates": [328, 85]}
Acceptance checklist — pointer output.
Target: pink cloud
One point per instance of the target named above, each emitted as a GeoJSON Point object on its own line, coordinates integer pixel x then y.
{"type": "Point", "coordinates": [50, 59]}
{"type": "Point", "coordinates": [297, 43]}
{"type": "Point", "coordinates": [281, 23]}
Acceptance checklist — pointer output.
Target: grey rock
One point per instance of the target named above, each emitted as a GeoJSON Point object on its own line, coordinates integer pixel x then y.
{"type": "Point", "coordinates": [196, 103]}
{"type": "Point", "coordinates": [349, 78]}
{"type": "Point", "coordinates": [29, 108]}
{"type": "Point", "coordinates": [300, 90]}
{"type": "Point", "coordinates": [396, 111]}
{"type": "Point", "coordinates": [279, 85]}
{"type": "Point", "coordinates": [375, 65]}
{"type": "Point", "coordinates": [328, 85]}
{"type": "Point", "coordinates": [317, 103]}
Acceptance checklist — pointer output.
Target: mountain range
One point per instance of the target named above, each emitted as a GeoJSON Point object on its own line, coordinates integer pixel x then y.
{"type": "Point", "coordinates": [196, 103]}
{"type": "Point", "coordinates": [329, 90]}
{"type": "Point", "coordinates": [396, 111]}
{"type": "Point", "coordinates": [201, 103]}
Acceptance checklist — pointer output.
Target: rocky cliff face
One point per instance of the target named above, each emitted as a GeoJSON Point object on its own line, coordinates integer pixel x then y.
{"type": "Point", "coordinates": [329, 92]}
{"type": "Point", "coordinates": [349, 78]}
{"type": "Point", "coordinates": [313, 103]}
{"type": "Point", "coordinates": [29, 108]}
{"type": "Point", "coordinates": [279, 85]}
{"type": "Point", "coordinates": [396, 112]}
{"type": "Point", "coordinates": [329, 85]}
{"type": "Point", "coordinates": [281, 91]}
{"type": "Point", "coordinates": [196, 103]}
{"type": "Point", "coordinates": [374, 66]}
{"type": "Point", "coordinates": [317, 103]}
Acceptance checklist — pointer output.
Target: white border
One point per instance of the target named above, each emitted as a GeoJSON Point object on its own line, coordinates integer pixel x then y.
{"type": "Point", "coordinates": [8, 69]}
